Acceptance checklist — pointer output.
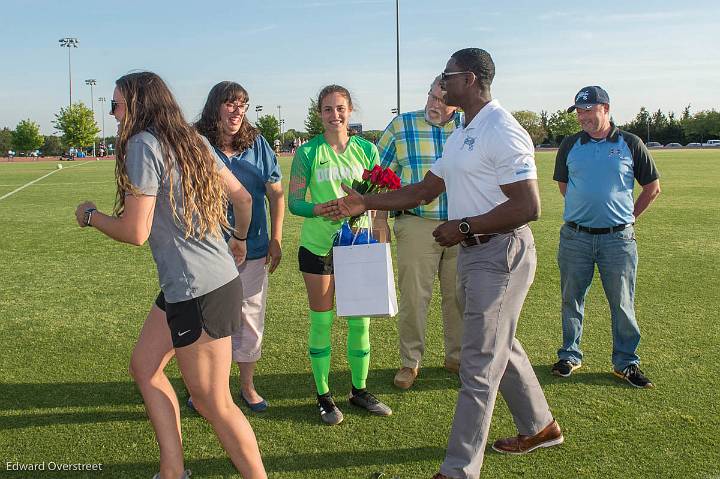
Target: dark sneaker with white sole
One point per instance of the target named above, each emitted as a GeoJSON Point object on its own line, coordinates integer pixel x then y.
{"type": "Point", "coordinates": [634, 376]}
{"type": "Point", "coordinates": [362, 398]}
{"type": "Point", "coordinates": [329, 412]}
{"type": "Point", "coordinates": [564, 368]}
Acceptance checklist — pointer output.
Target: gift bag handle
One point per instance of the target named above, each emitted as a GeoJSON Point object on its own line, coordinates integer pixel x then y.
{"type": "Point", "coordinates": [369, 217]}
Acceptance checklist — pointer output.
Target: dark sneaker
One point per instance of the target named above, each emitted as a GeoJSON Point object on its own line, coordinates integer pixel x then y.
{"type": "Point", "coordinates": [634, 376]}
{"type": "Point", "coordinates": [564, 368]}
{"type": "Point", "coordinates": [367, 401]}
{"type": "Point", "coordinates": [329, 412]}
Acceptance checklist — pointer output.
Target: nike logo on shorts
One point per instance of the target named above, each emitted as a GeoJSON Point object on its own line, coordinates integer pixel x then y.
{"type": "Point", "coordinates": [184, 332]}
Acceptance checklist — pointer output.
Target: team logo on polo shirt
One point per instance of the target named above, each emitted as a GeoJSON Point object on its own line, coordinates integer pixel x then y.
{"type": "Point", "coordinates": [526, 167]}
{"type": "Point", "coordinates": [470, 142]}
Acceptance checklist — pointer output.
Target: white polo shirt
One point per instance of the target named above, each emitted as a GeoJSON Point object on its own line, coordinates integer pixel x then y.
{"type": "Point", "coordinates": [492, 150]}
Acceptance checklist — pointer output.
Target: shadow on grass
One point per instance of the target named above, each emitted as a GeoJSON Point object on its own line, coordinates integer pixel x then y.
{"type": "Point", "coordinates": [275, 387]}
{"type": "Point", "coordinates": [605, 379]}
{"type": "Point", "coordinates": [46, 419]}
{"type": "Point", "coordinates": [332, 464]}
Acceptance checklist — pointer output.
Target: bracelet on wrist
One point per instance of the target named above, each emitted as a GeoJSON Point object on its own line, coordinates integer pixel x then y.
{"type": "Point", "coordinates": [238, 238]}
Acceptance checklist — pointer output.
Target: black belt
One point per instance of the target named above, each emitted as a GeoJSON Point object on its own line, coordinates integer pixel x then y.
{"type": "Point", "coordinates": [597, 231]}
{"type": "Point", "coordinates": [405, 212]}
{"type": "Point", "coordinates": [477, 239]}
{"type": "Point", "coordinates": [474, 240]}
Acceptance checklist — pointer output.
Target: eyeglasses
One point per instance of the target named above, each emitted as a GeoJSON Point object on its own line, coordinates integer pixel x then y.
{"type": "Point", "coordinates": [232, 107]}
{"type": "Point", "coordinates": [445, 75]}
{"type": "Point", "coordinates": [436, 98]}
{"type": "Point", "coordinates": [113, 105]}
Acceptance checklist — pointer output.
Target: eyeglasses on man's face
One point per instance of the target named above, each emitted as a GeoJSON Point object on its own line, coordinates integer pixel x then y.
{"type": "Point", "coordinates": [233, 106]}
{"type": "Point", "coordinates": [436, 99]}
{"type": "Point", "coordinates": [447, 75]}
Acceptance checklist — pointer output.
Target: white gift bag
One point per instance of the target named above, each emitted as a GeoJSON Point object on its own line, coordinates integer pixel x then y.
{"type": "Point", "coordinates": [364, 280]}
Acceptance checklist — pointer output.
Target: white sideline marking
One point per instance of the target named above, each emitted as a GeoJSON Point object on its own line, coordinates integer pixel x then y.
{"type": "Point", "coordinates": [38, 179]}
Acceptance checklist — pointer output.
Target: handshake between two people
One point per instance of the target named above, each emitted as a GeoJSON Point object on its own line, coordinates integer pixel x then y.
{"type": "Point", "coordinates": [346, 207]}
{"type": "Point", "coordinates": [354, 204]}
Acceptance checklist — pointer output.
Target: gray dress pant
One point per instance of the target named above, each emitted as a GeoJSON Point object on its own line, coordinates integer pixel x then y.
{"type": "Point", "coordinates": [493, 280]}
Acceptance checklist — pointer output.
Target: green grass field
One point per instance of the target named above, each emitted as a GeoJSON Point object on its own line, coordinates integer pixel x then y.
{"type": "Point", "coordinates": [72, 302]}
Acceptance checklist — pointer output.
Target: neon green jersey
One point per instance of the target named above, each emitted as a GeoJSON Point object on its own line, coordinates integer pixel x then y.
{"type": "Point", "coordinates": [320, 170]}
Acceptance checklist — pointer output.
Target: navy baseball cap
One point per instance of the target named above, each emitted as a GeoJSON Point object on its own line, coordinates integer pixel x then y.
{"type": "Point", "coordinates": [589, 96]}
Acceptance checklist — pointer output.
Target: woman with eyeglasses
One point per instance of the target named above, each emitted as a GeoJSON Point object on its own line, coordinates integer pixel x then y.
{"type": "Point", "coordinates": [319, 168]}
{"type": "Point", "coordinates": [172, 190]}
{"type": "Point", "coordinates": [249, 157]}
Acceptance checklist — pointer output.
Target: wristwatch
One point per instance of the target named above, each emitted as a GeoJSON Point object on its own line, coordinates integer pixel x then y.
{"type": "Point", "coordinates": [88, 215]}
{"type": "Point", "coordinates": [464, 226]}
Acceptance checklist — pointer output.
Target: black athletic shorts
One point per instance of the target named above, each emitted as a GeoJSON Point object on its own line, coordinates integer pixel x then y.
{"type": "Point", "coordinates": [314, 264]}
{"type": "Point", "coordinates": [217, 312]}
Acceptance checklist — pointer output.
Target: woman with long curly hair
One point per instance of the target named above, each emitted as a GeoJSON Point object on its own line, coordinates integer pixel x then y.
{"type": "Point", "coordinates": [319, 169]}
{"type": "Point", "coordinates": [250, 158]}
{"type": "Point", "coordinates": [173, 191]}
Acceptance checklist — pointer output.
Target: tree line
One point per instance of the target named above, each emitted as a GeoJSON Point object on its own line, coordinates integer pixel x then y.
{"type": "Point", "coordinates": [550, 129]}
{"type": "Point", "coordinates": [76, 124]}
{"type": "Point", "coordinates": [78, 129]}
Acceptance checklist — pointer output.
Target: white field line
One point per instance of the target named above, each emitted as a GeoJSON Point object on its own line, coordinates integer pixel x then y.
{"type": "Point", "coordinates": [71, 183]}
{"type": "Point", "coordinates": [38, 179]}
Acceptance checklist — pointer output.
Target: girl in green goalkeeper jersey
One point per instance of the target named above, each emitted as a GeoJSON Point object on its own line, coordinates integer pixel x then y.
{"type": "Point", "coordinates": [320, 167]}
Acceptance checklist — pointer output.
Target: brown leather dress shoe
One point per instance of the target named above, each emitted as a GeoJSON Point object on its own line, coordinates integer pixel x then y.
{"type": "Point", "coordinates": [405, 377]}
{"type": "Point", "coordinates": [550, 436]}
{"type": "Point", "coordinates": [452, 366]}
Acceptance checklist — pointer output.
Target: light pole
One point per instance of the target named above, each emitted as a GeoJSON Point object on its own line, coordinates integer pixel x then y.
{"type": "Point", "coordinates": [69, 43]}
{"type": "Point", "coordinates": [280, 124]}
{"type": "Point", "coordinates": [282, 136]}
{"type": "Point", "coordinates": [91, 83]}
{"type": "Point", "coordinates": [258, 109]}
{"type": "Point", "coordinates": [102, 113]}
{"type": "Point", "coordinates": [397, 50]}
{"type": "Point", "coordinates": [648, 130]}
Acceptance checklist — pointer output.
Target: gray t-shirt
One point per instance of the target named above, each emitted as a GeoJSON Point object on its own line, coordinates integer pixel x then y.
{"type": "Point", "coordinates": [187, 268]}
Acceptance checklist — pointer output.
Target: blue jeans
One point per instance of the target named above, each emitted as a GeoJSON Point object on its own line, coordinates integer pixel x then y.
{"type": "Point", "coordinates": [616, 257]}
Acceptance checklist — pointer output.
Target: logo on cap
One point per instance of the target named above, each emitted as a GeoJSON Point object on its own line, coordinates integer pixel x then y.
{"type": "Point", "coordinates": [583, 95]}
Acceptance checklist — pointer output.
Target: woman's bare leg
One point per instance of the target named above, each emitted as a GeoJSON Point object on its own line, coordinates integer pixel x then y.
{"type": "Point", "coordinates": [205, 366]}
{"type": "Point", "coordinates": [320, 291]}
{"type": "Point", "coordinates": [152, 352]}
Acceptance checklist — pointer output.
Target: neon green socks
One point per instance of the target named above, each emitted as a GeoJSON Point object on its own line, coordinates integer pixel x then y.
{"type": "Point", "coordinates": [319, 347]}
{"type": "Point", "coordinates": [358, 349]}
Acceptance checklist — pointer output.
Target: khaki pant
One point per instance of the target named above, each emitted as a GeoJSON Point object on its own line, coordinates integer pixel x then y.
{"type": "Point", "coordinates": [247, 343]}
{"type": "Point", "coordinates": [494, 279]}
{"type": "Point", "coordinates": [419, 260]}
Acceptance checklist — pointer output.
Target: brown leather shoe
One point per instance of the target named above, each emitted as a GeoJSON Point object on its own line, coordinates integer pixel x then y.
{"type": "Point", "coordinates": [550, 436]}
{"type": "Point", "coordinates": [452, 366]}
{"type": "Point", "coordinates": [405, 377]}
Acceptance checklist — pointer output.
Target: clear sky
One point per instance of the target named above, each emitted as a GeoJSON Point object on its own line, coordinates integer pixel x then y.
{"type": "Point", "coordinates": [658, 54]}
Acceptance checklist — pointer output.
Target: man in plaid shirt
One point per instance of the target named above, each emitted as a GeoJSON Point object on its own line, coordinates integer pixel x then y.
{"type": "Point", "coordinates": [410, 145]}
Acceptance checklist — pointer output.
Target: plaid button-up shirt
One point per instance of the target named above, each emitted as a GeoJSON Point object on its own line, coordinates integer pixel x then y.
{"type": "Point", "coordinates": [410, 146]}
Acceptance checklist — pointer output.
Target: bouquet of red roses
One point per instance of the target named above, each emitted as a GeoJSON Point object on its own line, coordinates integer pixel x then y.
{"type": "Point", "coordinates": [376, 180]}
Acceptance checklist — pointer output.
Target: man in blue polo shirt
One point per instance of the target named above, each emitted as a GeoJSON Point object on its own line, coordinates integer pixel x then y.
{"type": "Point", "coordinates": [596, 170]}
